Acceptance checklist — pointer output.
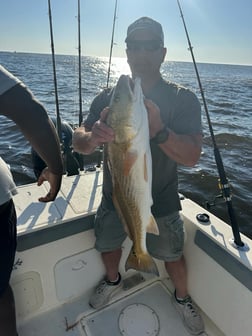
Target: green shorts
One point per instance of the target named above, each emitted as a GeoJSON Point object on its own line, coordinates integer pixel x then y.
{"type": "Point", "coordinates": [167, 246]}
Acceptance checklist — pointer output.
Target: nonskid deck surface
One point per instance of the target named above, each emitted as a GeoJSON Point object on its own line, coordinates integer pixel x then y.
{"type": "Point", "coordinates": [146, 311]}
{"type": "Point", "coordinates": [79, 196]}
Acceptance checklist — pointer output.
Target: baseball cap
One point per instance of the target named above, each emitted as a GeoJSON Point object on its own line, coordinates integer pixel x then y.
{"type": "Point", "coordinates": [146, 23]}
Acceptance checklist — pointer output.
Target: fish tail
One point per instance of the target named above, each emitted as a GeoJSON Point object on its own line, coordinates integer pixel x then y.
{"type": "Point", "coordinates": [142, 262]}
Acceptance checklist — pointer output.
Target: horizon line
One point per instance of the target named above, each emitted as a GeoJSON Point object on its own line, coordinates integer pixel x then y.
{"type": "Point", "coordinates": [63, 54]}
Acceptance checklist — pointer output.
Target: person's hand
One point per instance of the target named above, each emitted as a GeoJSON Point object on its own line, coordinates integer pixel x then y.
{"type": "Point", "coordinates": [54, 181]}
{"type": "Point", "coordinates": [155, 121]}
{"type": "Point", "coordinates": [85, 142]}
{"type": "Point", "coordinates": [101, 132]}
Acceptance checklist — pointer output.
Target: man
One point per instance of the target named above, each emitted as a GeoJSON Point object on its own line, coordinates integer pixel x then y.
{"type": "Point", "coordinates": [175, 133]}
{"type": "Point", "coordinates": [18, 104]}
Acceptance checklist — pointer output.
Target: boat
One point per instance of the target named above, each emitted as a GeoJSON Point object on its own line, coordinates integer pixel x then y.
{"type": "Point", "coordinates": [57, 267]}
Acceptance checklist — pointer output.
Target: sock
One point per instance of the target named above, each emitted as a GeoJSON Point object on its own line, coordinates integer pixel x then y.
{"type": "Point", "coordinates": [115, 282]}
{"type": "Point", "coordinates": [181, 300]}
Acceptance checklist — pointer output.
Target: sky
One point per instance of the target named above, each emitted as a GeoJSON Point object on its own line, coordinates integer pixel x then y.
{"type": "Point", "coordinates": [220, 31]}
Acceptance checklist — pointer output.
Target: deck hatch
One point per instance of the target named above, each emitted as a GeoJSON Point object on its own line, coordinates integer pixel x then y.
{"type": "Point", "coordinates": [153, 299]}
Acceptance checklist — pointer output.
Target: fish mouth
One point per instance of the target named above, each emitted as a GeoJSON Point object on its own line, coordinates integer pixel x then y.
{"type": "Point", "coordinates": [126, 81]}
{"type": "Point", "coordinates": [131, 84]}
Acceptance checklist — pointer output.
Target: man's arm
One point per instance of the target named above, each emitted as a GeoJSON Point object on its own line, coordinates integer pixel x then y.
{"type": "Point", "coordinates": [184, 149]}
{"type": "Point", "coordinates": [19, 105]}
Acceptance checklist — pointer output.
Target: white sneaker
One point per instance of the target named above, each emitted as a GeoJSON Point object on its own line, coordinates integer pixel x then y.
{"type": "Point", "coordinates": [190, 315]}
{"type": "Point", "coordinates": [104, 293]}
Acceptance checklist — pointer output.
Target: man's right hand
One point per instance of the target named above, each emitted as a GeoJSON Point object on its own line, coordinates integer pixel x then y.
{"type": "Point", "coordinates": [85, 141]}
{"type": "Point", "coordinates": [101, 132]}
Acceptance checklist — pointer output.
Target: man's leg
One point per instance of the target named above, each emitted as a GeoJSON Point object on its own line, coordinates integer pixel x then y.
{"type": "Point", "coordinates": [178, 274]}
{"type": "Point", "coordinates": [111, 284]}
{"type": "Point", "coordinates": [181, 299]}
{"type": "Point", "coordinates": [7, 314]}
{"type": "Point", "coordinates": [169, 246]}
{"type": "Point", "coordinates": [111, 262]}
{"type": "Point", "coordinates": [109, 238]}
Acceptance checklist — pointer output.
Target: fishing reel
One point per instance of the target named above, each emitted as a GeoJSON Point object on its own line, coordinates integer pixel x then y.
{"type": "Point", "coordinates": [224, 196]}
{"type": "Point", "coordinates": [225, 190]}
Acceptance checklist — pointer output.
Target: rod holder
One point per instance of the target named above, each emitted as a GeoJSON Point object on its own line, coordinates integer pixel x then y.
{"type": "Point", "coordinates": [243, 248]}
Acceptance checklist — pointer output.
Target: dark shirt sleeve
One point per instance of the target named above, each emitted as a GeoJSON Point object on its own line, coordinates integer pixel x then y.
{"type": "Point", "coordinates": [187, 118]}
{"type": "Point", "coordinates": [99, 103]}
{"type": "Point", "coordinates": [179, 107]}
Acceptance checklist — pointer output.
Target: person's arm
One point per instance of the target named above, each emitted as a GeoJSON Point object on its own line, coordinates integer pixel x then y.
{"type": "Point", "coordinates": [185, 149]}
{"type": "Point", "coordinates": [19, 105]}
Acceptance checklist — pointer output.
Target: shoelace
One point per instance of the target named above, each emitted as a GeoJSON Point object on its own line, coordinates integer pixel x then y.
{"type": "Point", "coordinates": [187, 302]}
{"type": "Point", "coordinates": [189, 305]}
{"type": "Point", "coordinates": [102, 286]}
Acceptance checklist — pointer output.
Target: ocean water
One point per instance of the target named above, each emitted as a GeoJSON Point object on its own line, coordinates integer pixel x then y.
{"type": "Point", "coordinates": [228, 93]}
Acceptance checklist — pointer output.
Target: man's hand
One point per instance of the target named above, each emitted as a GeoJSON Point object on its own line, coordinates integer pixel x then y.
{"type": "Point", "coordinates": [155, 121]}
{"type": "Point", "coordinates": [101, 132]}
{"type": "Point", "coordinates": [85, 141]}
{"type": "Point", "coordinates": [54, 181]}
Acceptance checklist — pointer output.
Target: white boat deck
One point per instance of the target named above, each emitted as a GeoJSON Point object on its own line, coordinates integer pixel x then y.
{"type": "Point", "coordinates": [57, 267]}
{"type": "Point", "coordinates": [79, 196]}
{"type": "Point", "coordinates": [135, 314]}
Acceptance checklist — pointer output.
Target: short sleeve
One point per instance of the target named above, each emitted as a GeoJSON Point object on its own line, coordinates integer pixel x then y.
{"type": "Point", "coordinates": [7, 80]}
{"type": "Point", "coordinates": [99, 103]}
{"type": "Point", "coordinates": [187, 116]}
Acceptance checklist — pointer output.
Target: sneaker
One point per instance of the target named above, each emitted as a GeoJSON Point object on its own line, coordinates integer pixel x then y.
{"type": "Point", "coordinates": [189, 314]}
{"type": "Point", "coordinates": [104, 293]}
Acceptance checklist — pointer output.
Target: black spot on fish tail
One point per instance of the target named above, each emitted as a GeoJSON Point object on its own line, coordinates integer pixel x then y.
{"type": "Point", "coordinates": [141, 262]}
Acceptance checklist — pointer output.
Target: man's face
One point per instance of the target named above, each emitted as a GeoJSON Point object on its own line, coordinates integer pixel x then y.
{"type": "Point", "coordinates": [145, 53]}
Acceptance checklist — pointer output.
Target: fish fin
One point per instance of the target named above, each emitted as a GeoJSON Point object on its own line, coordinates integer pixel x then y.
{"type": "Point", "coordinates": [141, 262]}
{"type": "Point", "coordinates": [152, 226]}
{"type": "Point", "coordinates": [129, 160]}
{"type": "Point", "coordinates": [145, 168]}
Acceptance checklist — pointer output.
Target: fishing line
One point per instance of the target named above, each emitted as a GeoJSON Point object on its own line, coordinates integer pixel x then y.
{"type": "Point", "coordinates": [58, 121]}
{"type": "Point", "coordinates": [224, 183]}
{"type": "Point", "coordinates": [79, 53]}
{"type": "Point", "coordinates": [112, 43]}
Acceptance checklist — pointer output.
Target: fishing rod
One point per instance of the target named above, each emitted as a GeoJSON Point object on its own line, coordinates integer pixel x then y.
{"type": "Point", "coordinates": [100, 148]}
{"type": "Point", "coordinates": [58, 121]}
{"type": "Point", "coordinates": [80, 159]}
{"type": "Point", "coordinates": [79, 50]}
{"type": "Point", "coordinates": [112, 43]}
{"type": "Point", "coordinates": [71, 164]}
{"type": "Point", "coordinates": [224, 183]}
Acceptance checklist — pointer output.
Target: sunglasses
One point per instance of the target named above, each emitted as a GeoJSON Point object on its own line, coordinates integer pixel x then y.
{"type": "Point", "coordinates": [146, 45]}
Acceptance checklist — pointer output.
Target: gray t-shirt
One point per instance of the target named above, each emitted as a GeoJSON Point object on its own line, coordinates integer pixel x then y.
{"type": "Point", "coordinates": [7, 185]}
{"type": "Point", "coordinates": [180, 111]}
{"type": "Point", "coordinates": [7, 80]}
